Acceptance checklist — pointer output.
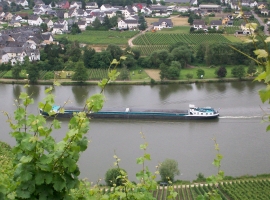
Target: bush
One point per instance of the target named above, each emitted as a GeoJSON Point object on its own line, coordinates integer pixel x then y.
{"type": "Point", "coordinates": [48, 76]}
{"type": "Point", "coordinates": [221, 72]}
{"type": "Point", "coordinates": [112, 176]}
{"type": "Point", "coordinates": [168, 169]}
{"type": "Point", "coordinates": [189, 76]}
{"type": "Point", "coordinates": [238, 71]}
{"type": "Point", "coordinates": [200, 73]}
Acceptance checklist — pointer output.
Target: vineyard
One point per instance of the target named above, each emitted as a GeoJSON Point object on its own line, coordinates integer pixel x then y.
{"type": "Point", "coordinates": [234, 190]}
{"type": "Point", "coordinates": [158, 40]}
{"type": "Point", "coordinates": [246, 189]}
{"type": "Point", "coordinates": [241, 21]}
{"type": "Point", "coordinates": [101, 37]}
{"type": "Point", "coordinates": [231, 29]}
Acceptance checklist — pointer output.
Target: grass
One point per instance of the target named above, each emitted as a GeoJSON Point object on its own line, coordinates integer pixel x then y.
{"type": "Point", "coordinates": [209, 72]}
{"type": "Point", "coordinates": [177, 29]}
{"type": "Point", "coordinates": [138, 75]}
{"type": "Point", "coordinates": [101, 37]}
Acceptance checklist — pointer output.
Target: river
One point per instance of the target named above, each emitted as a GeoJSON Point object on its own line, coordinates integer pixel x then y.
{"type": "Point", "coordinates": [242, 138]}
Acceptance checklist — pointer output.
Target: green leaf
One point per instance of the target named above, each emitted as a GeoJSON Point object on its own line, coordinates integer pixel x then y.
{"type": "Point", "coordinates": [58, 183]}
{"type": "Point", "coordinates": [264, 95]}
{"type": "Point", "coordinates": [147, 156]}
{"type": "Point", "coordinates": [26, 159]}
{"type": "Point", "coordinates": [48, 90]}
{"type": "Point", "coordinates": [267, 40]}
{"type": "Point", "coordinates": [23, 95]}
{"type": "Point", "coordinates": [113, 74]}
{"type": "Point", "coordinates": [39, 178]}
{"type": "Point", "coordinates": [70, 164]}
{"type": "Point", "coordinates": [261, 53]}
{"type": "Point", "coordinates": [140, 160]}
{"type": "Point", "coordinates": [268, 128]}
{"type": "Point", "coordinates": [103, 83]}
{"type": "Point", "coordinates": [56, 124]}
{"type": "Point", "coordinates": [114, 62]}
{"type": "Point", "coordinates": [25, 176]}
{"type": "Point", "coordinates": [95, 102]}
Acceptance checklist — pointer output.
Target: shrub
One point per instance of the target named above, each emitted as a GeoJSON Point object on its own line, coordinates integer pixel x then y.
{"type": "Point", "coordinates": [238, 71]}
{"type": "Point", "coordinates": [200, 73]}
{"type": "Point", "coordinates": [189, 76]}
{"type": "Point", "coordinates": [221, 72]}
{"type": "Point", "coordinates": [48, 76]}
{"type": "Point", "coordinates": [168, 169]}
{"type": "Point", "coordinates": [112, 176]}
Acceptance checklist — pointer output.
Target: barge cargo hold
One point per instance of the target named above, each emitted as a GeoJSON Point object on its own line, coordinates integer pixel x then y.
{"type": "Point", "coordinates": [193, 112]}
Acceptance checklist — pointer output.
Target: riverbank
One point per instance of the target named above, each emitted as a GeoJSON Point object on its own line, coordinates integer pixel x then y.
{"type": "Point", "coordinates": [139, 82]}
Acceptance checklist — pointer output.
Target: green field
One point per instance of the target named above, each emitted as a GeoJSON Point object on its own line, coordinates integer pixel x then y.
{"type": "Point", "coordinates": [177, 29]}
{"type": "Point", "coordinates": [101, 37]}
{"type": "Point", "coordinates": [157, 40]}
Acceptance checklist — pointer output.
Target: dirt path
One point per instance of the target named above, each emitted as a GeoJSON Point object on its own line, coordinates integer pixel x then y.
{"type": "Point", "coordinates": [153, 73]}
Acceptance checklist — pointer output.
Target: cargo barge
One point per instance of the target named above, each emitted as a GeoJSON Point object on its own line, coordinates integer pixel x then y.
{"type": "Point", "coordinates": [193, 112]}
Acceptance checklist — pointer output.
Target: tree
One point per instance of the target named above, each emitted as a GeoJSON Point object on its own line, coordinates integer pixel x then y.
{"type": "Point", "coordinates": [112, 177]}
{"type": "Point", "coordinates": [106, 22]}
{"type": "Point", "coordinates": [96, 24]}
{"type": "Point", "coordinates": [251, 68]}
{"type": "Point", "coordinates": [168, 169]}
{"type": "Point", "coordinates": [80, 74]}
{"type": "Point", "coordinates": [200, 73]}
{"type": "Point", "coordinates": [189, 76]}
{"type": "Point", "coordinates": [124, 73]}
{"type": "Point", "coordinates": [221, 72]}
{"type": "Point", "coordinates": [75, 29]}
{"type": "Point", "coordinates": [163, 71]}
{"type": "Point", "coordinates": [16, 70]}
{"type": "Point", "coordinates": [88, 56]}
{"type": "Point", "coordinates": [44, 27]}
{"type": "Point", "coordinates": [115, 51]}
{"type": "Point", "coordinates": [238, 71]}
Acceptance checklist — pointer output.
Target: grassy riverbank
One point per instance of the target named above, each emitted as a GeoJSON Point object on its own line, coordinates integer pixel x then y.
{"type": "Point", "coordinates": [136, 77]}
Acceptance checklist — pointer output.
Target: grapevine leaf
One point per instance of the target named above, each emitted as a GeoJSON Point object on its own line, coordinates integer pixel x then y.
{"type": "Point", "coordinates": [25, 176]}
{"type": "Point", "coordinates": [48, 90]}
{"type": "Point", "coordinates": [147, 156]}
{"type": "Point", "coordinates": [261, 76]}
{"type": "Point", "coordinates": [103, 83]}
{"type": "Point", "coordinates": [113, 74]}
{"type": "Point", "coordinates": [268, 128]}
{"type": "Point", "coordinates": [56, 124]}
{"type": "Point", "coordinates": [95, 102]}
{"type": "Point", "coordinates": [261, 53]}
{"type": "Point", "coordinates": [140, 160]}
{"type": "Point", "coordinates": [39, 178]}
{"type": "Point", "coordinates": [58, 183]}
{"type": "Point", "coordinates": [26, 159]}
{"type": "Point", "coordinates": [114, 62]}
{"type": "Point", "coordinates": [70, 164]}
{"type": "Point", "coordinates": [264, 95]}
{"type": "Point", "coordinates": [267, 39]}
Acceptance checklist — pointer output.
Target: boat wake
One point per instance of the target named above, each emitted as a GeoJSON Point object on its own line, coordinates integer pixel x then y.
{"type": "Point", "coordinates": [239, 117]}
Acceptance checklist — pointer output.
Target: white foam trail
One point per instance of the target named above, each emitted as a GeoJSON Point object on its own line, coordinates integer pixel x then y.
{"type": "Point", "coordinates": [239, 117]}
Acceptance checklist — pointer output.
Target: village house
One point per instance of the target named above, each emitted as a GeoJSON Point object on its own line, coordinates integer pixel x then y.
{"type": "Point", "coordinates": [215, 24]}
{"type": "Point", "coordinates": [63, 4]}
{"type": "Point", "coordinates": [199, 24]}
{"type": "Point", "coordinates": [91, 5]}
{"type": "Point", "coordinates": [225, 20]}
{"type": "Point", "coordinates": [162, 23]}
{"type": "Point", "coordinates": [8, 16]}
{"type": "Point", "coordinates": [35, 20]}
{"type": "Point", "coordinates": [128, 24]}
{"type": "Point", "coordinates": [49, 23]}
{"type": "Point", "coordinates": [82, 25]}
{"type": "Point", "coordinates": [75, 4]}
{"type": "Point", "coordinates": [265, 12]}
{"type": "Point", "coordinates": [3, 56]}
{"type": "Point", "coordinates": [262, 5]}
{"type": "Point", "coordinates": [23, 3]}
{"type": "Point", "coordinates": [210, 7]}
{"type": "Point", "coordinates": [105, 7]}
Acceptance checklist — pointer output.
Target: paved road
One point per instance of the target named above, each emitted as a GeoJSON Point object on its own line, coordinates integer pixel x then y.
{"type": "Point", "coordinates": [261, 23]}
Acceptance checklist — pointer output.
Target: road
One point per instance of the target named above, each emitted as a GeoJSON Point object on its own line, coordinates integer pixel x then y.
{"type": "Point", "coordinates": [261, 23]}
{"type": "Point", "coordinates": [143, 32]}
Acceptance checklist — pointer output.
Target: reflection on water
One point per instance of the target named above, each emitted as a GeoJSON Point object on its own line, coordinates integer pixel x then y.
{"type": "Point", "coordinates": [81, 93]}
{"type": "Point", "coordinates": [33, 91]}
{"type": "Point", "coordinates": [16, 91]}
